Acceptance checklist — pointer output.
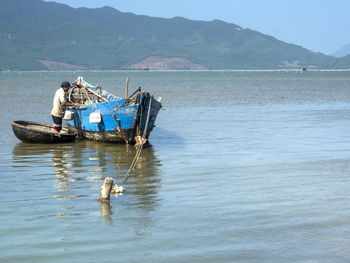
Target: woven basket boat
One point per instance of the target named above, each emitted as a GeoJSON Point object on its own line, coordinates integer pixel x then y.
{"type": "Point", "coordinates": [37, 132]}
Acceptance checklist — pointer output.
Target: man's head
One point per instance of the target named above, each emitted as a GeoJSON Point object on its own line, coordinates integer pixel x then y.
{"type": "Point", "coordinates": [65, 85]}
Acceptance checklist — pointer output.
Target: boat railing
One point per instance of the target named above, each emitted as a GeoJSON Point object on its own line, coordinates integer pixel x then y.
{"type": "Point", "coordinates": [127, 100]}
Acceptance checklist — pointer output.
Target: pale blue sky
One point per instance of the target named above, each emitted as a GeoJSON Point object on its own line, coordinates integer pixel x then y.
{"type": "Point", "coordinates": [318, 25]}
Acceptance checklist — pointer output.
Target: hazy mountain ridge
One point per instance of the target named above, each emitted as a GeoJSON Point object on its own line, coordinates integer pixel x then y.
{"type": "Point", "coordinates": [45, 35]}
{"type": "Point", "coordinates": [341, 52]}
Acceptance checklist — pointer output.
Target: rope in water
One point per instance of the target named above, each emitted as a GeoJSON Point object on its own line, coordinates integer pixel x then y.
{"type": "Point", "coordinates": [140, 146]}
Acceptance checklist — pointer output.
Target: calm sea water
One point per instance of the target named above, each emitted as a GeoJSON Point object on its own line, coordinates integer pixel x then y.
{"type": "Point", "coordinates": [244, 167]}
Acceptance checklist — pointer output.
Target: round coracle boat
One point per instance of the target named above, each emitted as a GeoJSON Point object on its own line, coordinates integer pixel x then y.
{"type": "Point", "coordinates": [37, 132]}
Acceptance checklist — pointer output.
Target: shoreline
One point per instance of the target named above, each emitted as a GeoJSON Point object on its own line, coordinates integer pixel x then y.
{"type": "Point", "coordinates": [178, 70]}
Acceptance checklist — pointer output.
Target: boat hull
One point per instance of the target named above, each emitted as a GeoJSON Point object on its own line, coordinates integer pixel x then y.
{"type": "Point", "coordinates": [117, 123]}
{"type": "Point", "coordinates": [36, 132]}
{"type": "Point", "coordinates": [103, 136]}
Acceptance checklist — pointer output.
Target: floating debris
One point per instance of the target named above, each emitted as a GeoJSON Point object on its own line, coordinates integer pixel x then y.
{"type": "Point", "coordinates": [117, 190]}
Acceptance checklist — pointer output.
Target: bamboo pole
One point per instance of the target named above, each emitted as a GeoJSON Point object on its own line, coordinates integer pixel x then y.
{"type": "Point", "coordinates": [127, 88]}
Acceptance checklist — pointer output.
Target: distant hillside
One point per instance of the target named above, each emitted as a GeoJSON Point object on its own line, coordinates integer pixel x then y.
{"type": "Point", "coordinates": [341, 52]}
{"type": "Point", "coordinates": [343, 62]}
{"type": "Point", "coordinates": [36, 35]}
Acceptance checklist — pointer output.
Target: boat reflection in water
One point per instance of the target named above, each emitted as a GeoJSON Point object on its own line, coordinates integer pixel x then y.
{"type": "Point", "coordinates": [81, 167]}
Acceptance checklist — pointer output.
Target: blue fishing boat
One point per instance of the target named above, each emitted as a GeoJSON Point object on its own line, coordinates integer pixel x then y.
{"type": "Point", "coordinates": [103, 116]}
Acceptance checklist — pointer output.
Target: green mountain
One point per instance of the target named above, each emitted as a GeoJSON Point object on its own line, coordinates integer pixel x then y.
{"type": "Point", "coordinates": [36, 35]}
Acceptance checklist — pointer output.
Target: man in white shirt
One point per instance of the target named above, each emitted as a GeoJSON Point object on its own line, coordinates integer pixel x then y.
{"type": "Point", "coordinates": [60, 102]}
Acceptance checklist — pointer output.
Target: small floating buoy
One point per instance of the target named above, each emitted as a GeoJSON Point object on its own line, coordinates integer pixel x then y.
{"type": "Point", "coordinates": [118, 189]}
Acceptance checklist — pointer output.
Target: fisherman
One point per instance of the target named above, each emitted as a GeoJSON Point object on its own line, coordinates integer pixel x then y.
{"type": "Point", "coordinates": [60, 102]}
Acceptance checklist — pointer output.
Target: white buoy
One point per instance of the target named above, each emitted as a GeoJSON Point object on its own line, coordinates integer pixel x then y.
{"type": "Point", "coordinates": [118, 189]}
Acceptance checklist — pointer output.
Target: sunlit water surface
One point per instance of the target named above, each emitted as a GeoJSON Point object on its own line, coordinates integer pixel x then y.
{"type": "Point", "coordinates": [244, 167]}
